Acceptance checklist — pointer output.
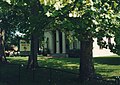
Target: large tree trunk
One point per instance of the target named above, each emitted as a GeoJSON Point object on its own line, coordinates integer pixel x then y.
{"type": "Point", "coordinates": [32, 61]}
{"type": "Point", "coordinates": [86, 60]}
{"type": "Point", "coordinates": [2, 47]}
{"type": "Point", "coordinates": [35, 10]}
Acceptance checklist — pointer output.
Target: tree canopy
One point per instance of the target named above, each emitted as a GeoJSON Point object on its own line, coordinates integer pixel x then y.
{"type": "Point", "coordinates": [87, 18]}
{"type": "Point", "coordinates": [97, 18]}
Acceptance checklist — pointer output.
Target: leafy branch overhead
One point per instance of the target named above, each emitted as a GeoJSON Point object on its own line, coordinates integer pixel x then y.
{"type": "Point", "coordinates": [21, 16]}
{"type": "Point", "coordinates": [87, 18]}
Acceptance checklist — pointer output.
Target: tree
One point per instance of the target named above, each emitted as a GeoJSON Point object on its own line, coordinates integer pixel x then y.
{"type": "Point", "coordinates": [95, 21]}
{"type": "Point", "coordinates": [4, 26]}
{"type": "Point", "coordinates": [81, 26]}
{"type": "Point", "coordinates": [115, 48]}
{"type": "Point", "coordinates": [2, 49]}
{"type": "Point", "coordinates": [27, 17]}
{"type": "Point", "coordinates": [87, 19]}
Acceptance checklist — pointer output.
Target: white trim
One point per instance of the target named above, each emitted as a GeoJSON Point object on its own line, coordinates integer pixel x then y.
{"type": "Point", "coordinates": [63, 43]}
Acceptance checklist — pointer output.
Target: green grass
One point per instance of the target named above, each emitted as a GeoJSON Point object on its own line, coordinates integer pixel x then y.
{"type": "Point", "coordinates": [71, 64]}
{"type": "Point", "coordinates": [106, 66]}
{"type": "Point", "coordinates": [14, 75]}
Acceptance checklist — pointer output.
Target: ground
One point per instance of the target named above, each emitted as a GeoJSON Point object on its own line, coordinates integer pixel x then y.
{"type": "Point", "coordinates": [58, 70]}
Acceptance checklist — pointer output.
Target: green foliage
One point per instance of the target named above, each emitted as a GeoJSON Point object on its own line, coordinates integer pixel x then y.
{"type": "Point", "coordinates": [116, 48]}
{"type": "Point", "coordinates": [6, 23]}
{"type": "Point", "coordinates": [23, 15]}
{"type": "Point", "coordinates": [87, 19]}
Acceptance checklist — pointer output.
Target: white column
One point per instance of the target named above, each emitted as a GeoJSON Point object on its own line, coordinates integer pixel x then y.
{"type": "Point", "coordinates": [57, 42]}
{"type": "Point", "coordinates": [48, 41]}
{"type": "Point", "coordinates": [63, 43]}
{"type": "Point", "coordinates": [51, 48]}
{"type": "Point", "coordinates": [79, 45]}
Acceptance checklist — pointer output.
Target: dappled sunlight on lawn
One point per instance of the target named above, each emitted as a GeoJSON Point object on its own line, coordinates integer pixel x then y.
{"type": "Point", "coordinates": [106, 66]}
{"type": "Point", "coordinates": [71, 66]}
{"type": "Point", "coordinates": [59, 63]}
{"type": "Point", "coordinates": [107, 70]}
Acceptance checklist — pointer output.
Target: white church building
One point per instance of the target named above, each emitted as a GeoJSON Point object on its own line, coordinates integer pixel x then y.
{"type": "Point", "coordinates": [58, 45]}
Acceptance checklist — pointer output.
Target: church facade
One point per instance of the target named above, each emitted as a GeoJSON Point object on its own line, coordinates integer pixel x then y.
{"type": "Point", "coordinates": [58, 45]}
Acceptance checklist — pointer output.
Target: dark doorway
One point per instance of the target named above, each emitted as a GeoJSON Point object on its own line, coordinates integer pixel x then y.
{"type": "Point", "coordinates": [60, 40]}
{"type": "Point", "coordinates": [54, 41]}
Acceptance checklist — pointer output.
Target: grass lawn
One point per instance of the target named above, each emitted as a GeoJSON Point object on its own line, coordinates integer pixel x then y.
{"type": "Point", "coordinates": [106, 66]}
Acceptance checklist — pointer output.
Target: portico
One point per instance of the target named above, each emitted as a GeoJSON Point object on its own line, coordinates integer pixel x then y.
{"type": "Point", "coordinates": [56, 42]}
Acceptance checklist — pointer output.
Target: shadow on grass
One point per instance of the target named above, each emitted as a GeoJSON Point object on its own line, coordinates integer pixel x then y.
{"type": "Point", "coordinates": [13, 75]}
{"type": "Point", "coordinates": [107, 66]}
{"type": "Point", "coordinates": [58, 77]}
{"type": "Point", "coordinates": [61, 63]}
{"type": "Point", "coordinates": [107, 60]}
{"type": "Point", "coordinates": [71, 64]}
